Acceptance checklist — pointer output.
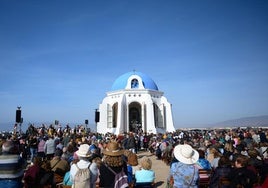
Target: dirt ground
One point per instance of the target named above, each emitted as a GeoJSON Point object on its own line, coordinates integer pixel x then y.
{"type": "Point", "coordinates": [160, 168]}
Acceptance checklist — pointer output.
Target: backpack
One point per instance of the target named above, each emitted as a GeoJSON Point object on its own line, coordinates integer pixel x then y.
{"type": "Point", "coordinates": [120, 179]}
{"type": "Point", "coordinates": [82, 178]}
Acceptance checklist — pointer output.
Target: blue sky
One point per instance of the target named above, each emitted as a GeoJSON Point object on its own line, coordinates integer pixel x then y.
{"type": "Point", "coordinates": [59, 58]}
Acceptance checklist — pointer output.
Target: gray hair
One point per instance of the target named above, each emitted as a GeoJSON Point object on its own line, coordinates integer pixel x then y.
{"type": "Point", "coordinates": [7, 146]}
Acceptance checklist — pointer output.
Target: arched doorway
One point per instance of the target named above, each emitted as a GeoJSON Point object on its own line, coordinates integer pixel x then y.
{"type": "Point", "coordinates": [134, 117]}
{"type": "Point", "coordinates": [115, 112]}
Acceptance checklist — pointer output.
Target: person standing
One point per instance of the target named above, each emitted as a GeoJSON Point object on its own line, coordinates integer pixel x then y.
{"type": "Point", "coordinates": [146, 139]}
{"type": "Point", "coordinates": [41, 147]}
{"type": "Point", "coordinates": [33, 146]}
{"type": "Point", "coordinates": [50, 147]}
{"type": "Point", "coordinates": [131, 143]}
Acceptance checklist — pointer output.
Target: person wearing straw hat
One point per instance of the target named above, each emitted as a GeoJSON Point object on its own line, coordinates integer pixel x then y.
{"type": "Point", "coordinates": [84, 155]}
{"type": "Point", "coordinates": [112, 162]}
{"type": "Point", "coordinates": [184, 172]}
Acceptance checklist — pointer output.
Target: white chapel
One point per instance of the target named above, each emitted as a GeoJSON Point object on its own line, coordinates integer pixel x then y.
{"type": "Point", "coordinates": [134, 104]}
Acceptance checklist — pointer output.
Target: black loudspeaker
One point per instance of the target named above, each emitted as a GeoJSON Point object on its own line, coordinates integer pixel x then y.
{"type": "Point", "coordinates": [86, 121]}
{"type": "Point", "coordinates": [97, 116]}
{"type": "Point", "coordinates": [18, 116]}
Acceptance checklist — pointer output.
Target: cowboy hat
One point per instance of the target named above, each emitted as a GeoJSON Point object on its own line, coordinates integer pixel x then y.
{"type": "Point", "coordinates": [113, 149]}
{"type": "Point", "coordinates": [186, 154]}
{"type": "Point", "coordinates": [83, 151]}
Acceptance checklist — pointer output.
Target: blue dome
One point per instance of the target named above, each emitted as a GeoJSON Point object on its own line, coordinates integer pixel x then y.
{"type": "Point", "coordinates": [121, 82]}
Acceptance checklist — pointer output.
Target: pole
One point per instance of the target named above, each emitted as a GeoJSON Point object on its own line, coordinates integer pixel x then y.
{"type": "Point", "coordinates": [21, 120]}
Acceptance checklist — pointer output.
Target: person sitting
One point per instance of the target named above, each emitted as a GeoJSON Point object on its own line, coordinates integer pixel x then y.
{"type": "Point", "coordinates": [202, 162]}
{"type": "Point", "coordinates": [132, 163]}
{"type": "Point", "coordinates": [112, 163]}
{"type": "Point", "coordinates": [204, 169]}
{"type": "Point", "coordinates": [11, 166]}
{"type": "Point", "coordinates": [59, 166]}
{"type": "Point", "coordinates": [184, 171]}
{"type": "Point", "coordinates": [255, 161]}
{"type": "Point", "coordinates": [213, 157]}
{"type": "Point", "coordinates": [146, 174]}
{"type": "Point", "coordinates": [32, 173]}
{"type": "Point", "coordinates": [46, 176]}
{"type": "Point", "coordinates": [126, 158]}
{"type": "Point", "coordinates": [222, 171]}
{"type": "Point", "coordinates": [84, 155]}
{"type": "Point", "coordinates": [240, 175]}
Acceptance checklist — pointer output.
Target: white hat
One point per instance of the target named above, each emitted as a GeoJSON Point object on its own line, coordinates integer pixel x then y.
{"type": "Point", "coordinates": [83, 151]}
{"type": "Point", "coordinates": [186, 154]}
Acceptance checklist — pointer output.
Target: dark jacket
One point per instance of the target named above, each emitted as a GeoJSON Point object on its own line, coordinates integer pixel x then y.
{"type": "Point", "coordinates": [242, 176]}
{"type": "Point", "coordinates": [131, 142]}
{"type": "Point", "coordinates": [31, 176]}
{"type": "Point", "coordinates": [107, 176]}
{"type": "Point", "coordinates": [217, 174]}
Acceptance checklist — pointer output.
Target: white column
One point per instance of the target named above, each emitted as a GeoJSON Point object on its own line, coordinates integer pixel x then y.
{"type": "Point", "coordinates": [143, 117]}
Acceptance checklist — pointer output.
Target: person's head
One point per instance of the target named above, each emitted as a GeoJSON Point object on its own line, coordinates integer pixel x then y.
{"type": "Point", "coordinates": [58, 152]}
{"type": "Point", "coordinates": [214, 152]}
{"type": "Point", "coordinates": [229, 146]}
{"type": "Point", "coordinates": [132, 159]}
{"type": "Point", "coordinates": [98, 161]}
{"type": "Point", "coordinates": [46, 165]}
{"type": "Point", "coordinates": [37, 161]}
{"type": "Point", "coordinates": [8, 147]}
{"type": "Point", "coordinates": [201, 154]}
{"type": "Point", "coordinates": [186, 154]}
{"type": "Point", "coordinates": [241, 161]}
{"type": "Point", "coordinates": [83, 152]}
{"type": "Point", "coordinates": [146, 163]}
{"type": "Point", "coordinates": [253, 153]}
{"type": "Point", "coordinates": [113, 155]}
{"type": "Point", "coordinates": [127, 153]}
{"type": "Point", "coordinates": [70, 148]}
{"type": "Point", "coordinates": [224, 161]}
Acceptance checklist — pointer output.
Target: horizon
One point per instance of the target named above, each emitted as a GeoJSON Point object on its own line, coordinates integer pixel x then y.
{"type": "Point", "coordinates": [208, 57]}
{"type": "Point", "coordinates": [217, 125]}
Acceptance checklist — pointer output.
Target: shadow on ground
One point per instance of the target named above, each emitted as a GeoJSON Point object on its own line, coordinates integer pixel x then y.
{"type": "Point", "coordinates": [159, 184]}
{"type": "Point", "coordinates": [142, 154]}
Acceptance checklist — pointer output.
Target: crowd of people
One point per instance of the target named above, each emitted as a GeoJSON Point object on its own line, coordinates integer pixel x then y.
{"type": "Point", "coordinates": [49, 157]}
